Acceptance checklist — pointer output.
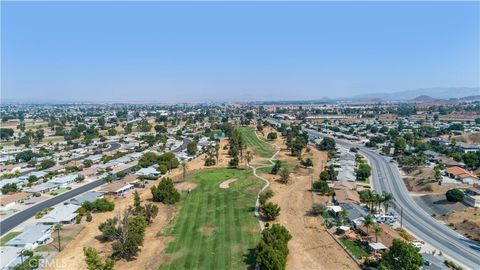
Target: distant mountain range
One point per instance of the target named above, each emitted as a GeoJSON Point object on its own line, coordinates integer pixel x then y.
{"type": "Point", "coordinates": [433, 93]}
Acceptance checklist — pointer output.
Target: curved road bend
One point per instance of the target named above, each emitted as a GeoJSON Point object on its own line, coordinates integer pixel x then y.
{"type": "Point", "coordinates": [387, 178]}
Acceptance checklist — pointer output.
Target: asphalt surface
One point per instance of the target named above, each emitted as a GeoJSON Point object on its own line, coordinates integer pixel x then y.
{"type": "Point", "coordinates": [113, 146]}
{"type": "Point", "coordinates": [13, 221]}
{"type": "Point", "coordinates": [386, 178]}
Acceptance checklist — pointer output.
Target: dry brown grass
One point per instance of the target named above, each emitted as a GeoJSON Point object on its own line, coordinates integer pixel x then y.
{"type": "Point", "coordinates": [466, 222]}
{"type": "Point", "coordinates": [311, 246]}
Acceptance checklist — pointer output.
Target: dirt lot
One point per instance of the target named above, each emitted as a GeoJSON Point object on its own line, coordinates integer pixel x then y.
{"type": "Point", "coordinates": [469, 138]}
{"type": "Point", "coordinates": [422, 180]}
{"type": "Point", "coordinates": [466, 222]}
{"type": "Point", "coordinates": [311, 246]}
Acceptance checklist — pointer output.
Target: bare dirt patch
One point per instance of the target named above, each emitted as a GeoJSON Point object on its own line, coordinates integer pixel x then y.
{"type": "Point", "coordinates": [422, 180]}
{"type": "Point", "coordinates": [226, 183]}
{"type": "Point", "coordinates": [469, 138]}
{"type": "Point", "coordinates": [466, 222]}
{"type": "Point", "coordinates": [185, 186]}
{"type": "Point", "coordinates": [207, 229]}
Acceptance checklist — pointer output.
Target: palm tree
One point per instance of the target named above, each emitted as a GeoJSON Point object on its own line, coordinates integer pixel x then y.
{"type": "Point", "coordinates": [377, 231]}
{"type": "Point", "coordinates": [217, 151]}
{"type": "Point", "coordinates": [377, 200]}
{"type": "Point", "coordinates": [184, 170]}
{"type": "Point", "coordinates": [248, 157]}
{"type": "Point", "coordinates": [387, 200]}
{"type": "Point", "coordinates": [367, 221]}
{"type": "Point", "coordinates": [367, 197]}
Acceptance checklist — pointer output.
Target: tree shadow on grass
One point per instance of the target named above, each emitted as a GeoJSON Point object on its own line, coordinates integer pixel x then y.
{"type": "Point", "coordinates": [249, 259]}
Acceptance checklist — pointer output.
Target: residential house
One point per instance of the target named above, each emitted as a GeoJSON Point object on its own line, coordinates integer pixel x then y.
{"type": "Point", "coordinates": [342, 184]}
{"type": "Point", "coordinates": [386, 236]}
{"type": "Point", "coordinates": [64, 181]}
{"type": "Point", "coordinates": [41, 188]}
{"type": "Point", "coordinates": [342, 196]}
{"type": "Point", "coordinates": [17, 181]}
{"type": "Point", "coordinates": [10, 257]}
{"type": "Point", "coordinates": [148, 172]}
{"type": "Point", "coordinates": [472, 196]}
{"type": "Point", "coordinates": [355, 213]}
{"type": "Point", "coordinates": [118, 188]}
{"type": "Point", "coordinates": [63, 213]}
{"type": "Point", "coordinates": [32, 236]}
{"type": "Point", "coordinates": [38, 174]}
{"type": "Point", "coordinates": [450, 162]}
{"type": "Point", "coordinates": [12, 199]}
{"type": "Point", "coordinates": [466, 147]}
{"type": "Point", "coordinates": [90, 196]}
{"type": "Point", "coordinates": [461, 174]}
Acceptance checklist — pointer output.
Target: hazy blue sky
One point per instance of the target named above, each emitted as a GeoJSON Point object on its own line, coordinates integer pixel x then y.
{"type": "Point", "coordinates": [187, 51]}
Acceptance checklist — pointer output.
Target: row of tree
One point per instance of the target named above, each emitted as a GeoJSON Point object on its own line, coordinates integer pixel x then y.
{"type": "Point", "coordinates": [236, 149]}
{"type": "Point", "coordinates": [374, 200]}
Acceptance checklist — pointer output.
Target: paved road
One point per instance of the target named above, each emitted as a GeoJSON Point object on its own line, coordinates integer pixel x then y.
{"type": "Point", "coordinates": [113, 146]}
{"type": "Point", "coordinates": [386, 178]}
{"type": "Point", "coordinates": [13, 221]}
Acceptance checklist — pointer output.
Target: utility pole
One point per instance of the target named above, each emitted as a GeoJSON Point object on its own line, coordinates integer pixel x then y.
{"type": "Point", "coordinates": [58, 237]}
{"type": "Point", "coordinates": [401, 217]}
{"type": "Point", "coordinates": [21, 256]}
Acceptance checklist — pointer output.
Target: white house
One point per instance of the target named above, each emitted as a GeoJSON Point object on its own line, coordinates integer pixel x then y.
{"type": "Point", "coordinates": [32, 236]}
{"type": "Point", "coordinates": [149, 172]}
{"type": "Point", "coordinates": [10, 256]}
{"type": "Point", "coordinates": [118, 188]}
{"type": "Point", "coordinates": [63, 213]}
{"type": "Point", "coordinates": [64, 181]}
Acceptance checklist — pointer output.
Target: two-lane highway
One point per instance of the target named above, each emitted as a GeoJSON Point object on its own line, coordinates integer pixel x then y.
{"type": "Point", "coordinates": [386, 178]}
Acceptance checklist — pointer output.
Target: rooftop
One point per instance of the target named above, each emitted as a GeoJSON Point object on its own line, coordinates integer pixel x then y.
{"type": "Point", "coordinates": [61, 213]}
{"type": "Point", "coordinates": [30, 235]}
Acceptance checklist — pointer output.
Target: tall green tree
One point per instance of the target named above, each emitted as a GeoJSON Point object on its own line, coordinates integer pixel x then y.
{"type": "Point", "coordinates": [165, 192]}
{"type": "Point", "coordinates": [95, 262]}
{"type": "Point", "coordinates": [401, 256]}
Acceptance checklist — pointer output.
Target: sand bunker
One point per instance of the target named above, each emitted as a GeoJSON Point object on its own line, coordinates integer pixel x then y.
{"type": "Point", "coordinates": [226, 183]}
{"type": "Point", "coordinates": [185, 186]}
